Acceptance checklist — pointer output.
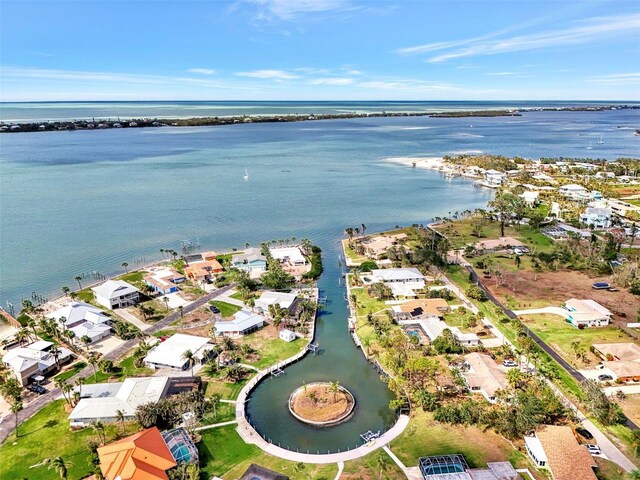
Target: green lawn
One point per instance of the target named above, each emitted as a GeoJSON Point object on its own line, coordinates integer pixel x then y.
{"type": "Point", "coordinates": [227, 391]}
{"type": "Point", "coordinates": [353, 256]}
{"type": "Point", "coordinates": [75, 368]}
{"type": "Point", "coordinates": [122, 370]}
{"type": "Point", "coordinates": [226, 309]}
{"type": "Point", "coordinates": [272, 350]}
{"type": "Point", "coordinates": [224, 413]}
{"type": "Point", "coordinates": [47, 435]}
{"type": "Point", "coordinates": [135, 278]}
{"type": "Point", "coordinates": [424, 436]}
{"type": "Point", "coordinates": [223, 453]}
{"type": "Point", "coordinates": [85, 295]}
{"type": "Point", "coordinates": [366, 303]}
{"type": "Point", "coordinates": [237, 296]}
{"type": "Point", "coordinates": [368, 467]}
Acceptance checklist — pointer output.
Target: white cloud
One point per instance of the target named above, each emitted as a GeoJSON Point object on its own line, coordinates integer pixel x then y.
{"type": "Point", "coordinates": [591, 30]}
{"type": "Point", "coordinates": [332, 81]}
{"type": "Point", "coordinates": [615, 79]}
{"type": "Point", "coordinates": [202, 71]}
{"type": "Point", "coordinates": [290, 9]}
{"type": "Point", "coordinates": [270, 74]}
{"type": "Point", "coordinates": [501, 74]}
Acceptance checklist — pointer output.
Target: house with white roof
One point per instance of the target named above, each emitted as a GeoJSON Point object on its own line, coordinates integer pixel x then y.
{"type": "Point", "coordinates": [281, 299]}
{"type": "Point", "coordinates": [530, 197]}
{"type": "Point", "coordinates": [291, 255]}
{"type": "Point", "coordinates": [250, 260]}
{"type": "Point", "coordinates": [575, 192]}
{"type": "Point", "coordinates": [403, 282]}
{"type": "Point", "coordinates": [243, 323]}
{"type": "Point", "coordinates": [164, 281]}
{"type": "Point", "coordinates": [483, 375]}
{"type": "Point", "coordinates": [494, 178]}
{"type": "Point", "coordinates": [542, 177]}
{"type": "Point", "coordinates": [596, 217]}
{"type": "Point", "coordinates": [433, 327]}
{"type": "Point", "coordinates": [116, 294]}
{"type": "Point", "coordinates": [587, 313]}
{"type": "Point", "coordinates": [102, 401]}
{"type": "Point", "coordinates": [170, 353]}
{"type": "Point", "coordinates": [34, 360]}
{"type": "Point", "coordinates": [287, 335]}
{"type": "Point", "coordinates": [83, 319]}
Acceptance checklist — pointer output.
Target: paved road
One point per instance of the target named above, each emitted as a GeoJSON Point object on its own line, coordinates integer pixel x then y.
{"type": "Point", "coordinates": [31, 409]}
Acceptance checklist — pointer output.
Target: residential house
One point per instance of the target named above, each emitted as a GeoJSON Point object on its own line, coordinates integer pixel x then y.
{"type": "Point", "coordinates": [587, 313]}
{"type": "Point", "coordinates": [256, 472]}
{"type": "Point", "coordinates": [543, 177]}
{"type": "Point", "coordinates": [403, 282]}
{"type": "Point", "coordinates": [170, 353]}
{"type": "Point", "coordinates": [84, 320]}
{"type": "Point", "coordinates": [287, 335]}
{"type": "Point", "coordinates": [291, 255]}
{"type": "Point", "coordinates": [116, 294]}
{"type": "Point", "coordinates": [575, 192]}
{"type": "Point", "coordinates": [621, 360]}
{"type": "Point", "coordinates": [497, 244]}
{"type": "Point", "coordinates": [421, 308]}
{"type": "Point", "coordinates": [530, 197]}
{"type": "Point", "coordinates": [622, 208]}
{"type": "Point", "coordinates": [35, 360]}
{"type": "Point", "coordinates": [144, 455]}
{"type": "Point", "coordinates": [483, 375]}
{"type": "Point", "coordinates": [203, 271]}
{"type": "Point", "coordinates": [433, 327]}
{"type": "Point", "coordinates": [164, 281]}
{"type": "Point", "coordinates": [556, 449]}
{"type": "Point", "coordinates": [243, 323]}
{"type": "Point", "coordinates": [251, 260]}
{"type": "Point", "coordinates": [289, 301]}
{"type": "Point", "coordinates": [596, 217]}
{"type": "Point", "coordinates": [103, 401]}
{"type": "Point", "coordinates": [494, 178]}
{"type": "Point", "coordinates": [455, 467]}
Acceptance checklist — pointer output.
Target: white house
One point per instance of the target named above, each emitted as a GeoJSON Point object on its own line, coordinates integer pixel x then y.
{"type": "Point", "coordinates": [83, 320]}
{"type": "Point", "coordinates": [587, 313]}
{"type": "Point", "coordinates": [243, 323]}
{"type": "Point", "coordinates": [483, 375]}
{"type": "Point", "coordinates": [598, 217]}
{"type": "Point", "coordinates": [494, 178]}
{"type": "Point", "coordinates": [102, 401]}
{"type": "Point", "coordinates": [529, 197]}
{"type": "Point", "coordinates": [290, 255]}
{"type": "Point", "coordinates": [116, 294]}
{"type": "Point", "coordinates": [574, 191]}
{"type": "Point", "coordinates": [170, 353]}
{"type": "Point", "coordinates": [34, 360]}
{"type": "Point", "coordinates": [403, 282]}
{"type": "Point", "coordinates": [287, 335]}
{"type": "Point", "coordinates": [542, 177]}
{"type": "Point", "coordinates": [433, 327]}
{"type": "Point", "coordinates": [283, 300]}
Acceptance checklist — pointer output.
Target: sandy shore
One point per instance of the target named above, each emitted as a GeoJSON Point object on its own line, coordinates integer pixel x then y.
{"type": "Point", "coordinates": [428, 163]}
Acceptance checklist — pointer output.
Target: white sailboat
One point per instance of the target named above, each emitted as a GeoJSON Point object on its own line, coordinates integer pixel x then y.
{"type": "Point", "coordinates": [590, 147]}
{"type": "Point", "coordinates": [600, 142]}
{"type": "Point", "coordinates": [246, 174]}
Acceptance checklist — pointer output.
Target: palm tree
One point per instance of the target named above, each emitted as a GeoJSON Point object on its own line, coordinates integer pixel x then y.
{"type": "Point", "coordinates": [79, 382]}
{"type": "Point", "coordinates": [165, 299]}
{"type": "Point", "coordinates": [59, 465]}
{"type": "Point", "coordinates": [190, 359]}
{"type": "Point", "coordinates": [56, 352]}
{"type": "Point", "coordinates": [94, 359]}
{"type": "Point", "coordinates": [32, 325]}
{"type": "Point", "coordinates": [98, 426]}
{"type": "Point", "coordinates": [181, 310]}
{"type": "Point", "coordinates": [299, 468]}
{"type": "Point", "coordinates": [125, 265]}
{"type": "Point", "coordinates": [78, 278]}
{"type": "Point", "coordinates": [120, 418]}
{"type": "Point", "coordinates": [16, 406]}
{"type": "Point", "coordinates": [382, 462]}
{"type": "Point", "coordinates": [334, 387]}
{"type": "Point", "coordinates": [22, 335]}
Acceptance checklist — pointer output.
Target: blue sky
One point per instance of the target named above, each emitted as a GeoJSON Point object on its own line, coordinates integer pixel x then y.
{"type": "Point", "coordinates": [319, 50]}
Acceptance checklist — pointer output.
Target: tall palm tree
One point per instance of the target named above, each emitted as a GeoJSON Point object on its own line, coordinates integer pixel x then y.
{"type": "Point", "coordinates": [66, 291]}
{"type": "Point", "coordinates": [382, 462]}
{"type": "Point", "coordinates": [334, 387]}
{"type": "Point", "coordinates": [60, 466]}
{"type": "Point", "coordinates": [94, 359]}
{"type": "Point", "coordinates": [120, 417]}
{"type": "Point", "coordinates": [190, 359]}
{"type": "Point", "coordinates": [99, 428]}
{"type": "Point", "coordinates": [125, 265]}
{"type": "Point", "coordinates": [16, 406]}
{"type": "Point", "coordinates": [78, 279]}
{"type": "Point", "coordinates": [79, 382]}
{"type": "Point", "coordinates": [56, 352]}
{"type": "Point", "coordinates": [181, 310]}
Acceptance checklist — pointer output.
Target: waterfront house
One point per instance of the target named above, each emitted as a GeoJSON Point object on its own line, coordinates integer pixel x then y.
{"type": "Point", "coordinates": [251, 260]}
{"type": "Point", "coordinates": [622, 208]}
{"type": "Point", "coordinates": [587, 313]}
{"type": "Point", "coordinates": [596, 217]}
{"type": "Point", "coordinates": [497, 244]}
{"type": "Point", "coordinates": [243, 323]}
{"type": "Point", "coordinates": [621, 360]}
{"type": "Point", "coordinates": [287, 335]}
{"type": "Point", "coordinates": [203, 271]}
{"type": "Point", "coordinates": [576, 192]}
{"type": "Point", "coordinates": [403, 282]}
{"type": "Point", "coordinates": [432, 326]}
{"type": "Point", "coordinates": [35, 360]}
{"type": "Point", "coordinates": [543, 177]}
{"type": "Point", "coordinates": [455, 467]}
{"type": "Point", "coordinates": [170, 353]}
{"type": "Point", "coordinates": [483, 375]}
{"type": "Point", "coordinates": [164, 281]}
{"type": "Point", "coordinates": [555, 448]}
{"type": "Point", "coordinates": [291, 255]}
{"type": "Point", "coordinates": [102, 401]}
{"type": "Point", "coordinates": [282, 300]}
{"type": "Point", "coordinates": [84, 320]}
{"type": "Point", "coordinates": [257, 472]}
{"type": "Point", "coordinates": [494, 178]}
{"type": "Point", "coordinates": [421, 308]}
{"type": "Point", "coordinates": [116, 294]}
{"type": "Point", "coordinates": [144, 455]}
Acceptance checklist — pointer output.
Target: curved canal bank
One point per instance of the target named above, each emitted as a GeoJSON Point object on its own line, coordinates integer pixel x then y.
{"type": "Point", "coordinates": [338, 359]}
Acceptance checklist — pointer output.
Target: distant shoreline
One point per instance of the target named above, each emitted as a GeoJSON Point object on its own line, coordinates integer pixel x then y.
{"type": "Point", "coordinates": [243, 119]}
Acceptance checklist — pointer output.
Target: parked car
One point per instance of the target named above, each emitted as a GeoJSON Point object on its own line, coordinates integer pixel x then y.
{"type": "Point", "coordinates": [594, 449]}
{"type": "Point", "coordinates": [509, 363]}
{"type": "Point", "coordinates": [35, 388]}
{"type": "Point", "coordinates": [605, 378]}
{"type": "Point", "coordinates": [214, 309]}
{"type": "Point", "coordinates": [584, 433]}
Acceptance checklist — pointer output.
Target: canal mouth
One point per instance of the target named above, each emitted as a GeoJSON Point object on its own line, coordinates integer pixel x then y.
{"type": "Point", "coordinates": [322, 404]}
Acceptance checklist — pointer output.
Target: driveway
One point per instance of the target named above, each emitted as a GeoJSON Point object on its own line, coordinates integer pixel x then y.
{"type": "Point", "coordinates": [127, 315]}
{"type": "Point", "coordinates": [608, 448]}
{"type": "Point", "coordinates": [552, 310]}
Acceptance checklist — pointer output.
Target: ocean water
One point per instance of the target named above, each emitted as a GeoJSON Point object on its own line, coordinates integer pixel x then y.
{"type": "Point", "coordinates": [45, 111]}
{"type": "Point", "coordinates": [84, 201]}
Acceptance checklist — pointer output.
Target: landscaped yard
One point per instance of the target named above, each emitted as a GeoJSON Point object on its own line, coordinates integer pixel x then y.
{"type": "Point", "coordinates": [224, 453]}
{"type": "Point", "coordinates": [369, 468]}
{"type": "Point", "coordinates": [47, 435]}
{"type": "Point", "coordinates": [227, 391]}
{"type": "Point", "coordinates": [122, 370]}
{"type": "Point", "coordinates": [226, 309]}
{"type": "Point", "coordinates": [73, 369]}
{"type": "Point", "coordinates": [270, 348]}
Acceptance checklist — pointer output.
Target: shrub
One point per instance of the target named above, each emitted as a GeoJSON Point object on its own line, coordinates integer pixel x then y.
{"type": "Point", "coordinates": [476, 293]}
{"type": "Point", "coordinates": [368, 266]}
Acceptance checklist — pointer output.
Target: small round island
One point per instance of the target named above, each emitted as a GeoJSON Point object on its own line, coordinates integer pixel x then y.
{"type": "Point", "coordinates": [322, 404]}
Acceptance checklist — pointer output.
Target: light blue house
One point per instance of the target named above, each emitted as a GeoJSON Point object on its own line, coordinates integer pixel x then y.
{"type": "Point", "coordinates": [251, 260]}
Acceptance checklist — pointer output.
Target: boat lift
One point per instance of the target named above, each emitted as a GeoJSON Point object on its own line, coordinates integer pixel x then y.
{"type": "Point", "coordinates": [370, 436]}
{"type": "Point", "coordinates": [313, 347]}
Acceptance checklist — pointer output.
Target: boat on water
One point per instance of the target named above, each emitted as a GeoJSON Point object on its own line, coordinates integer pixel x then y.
{"type": "Point", "coordinates": [590, 147]}
{"type": "Point", "coordinates": [600, 142]}
{"type": "Point", "coordinates": [246, 174]}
